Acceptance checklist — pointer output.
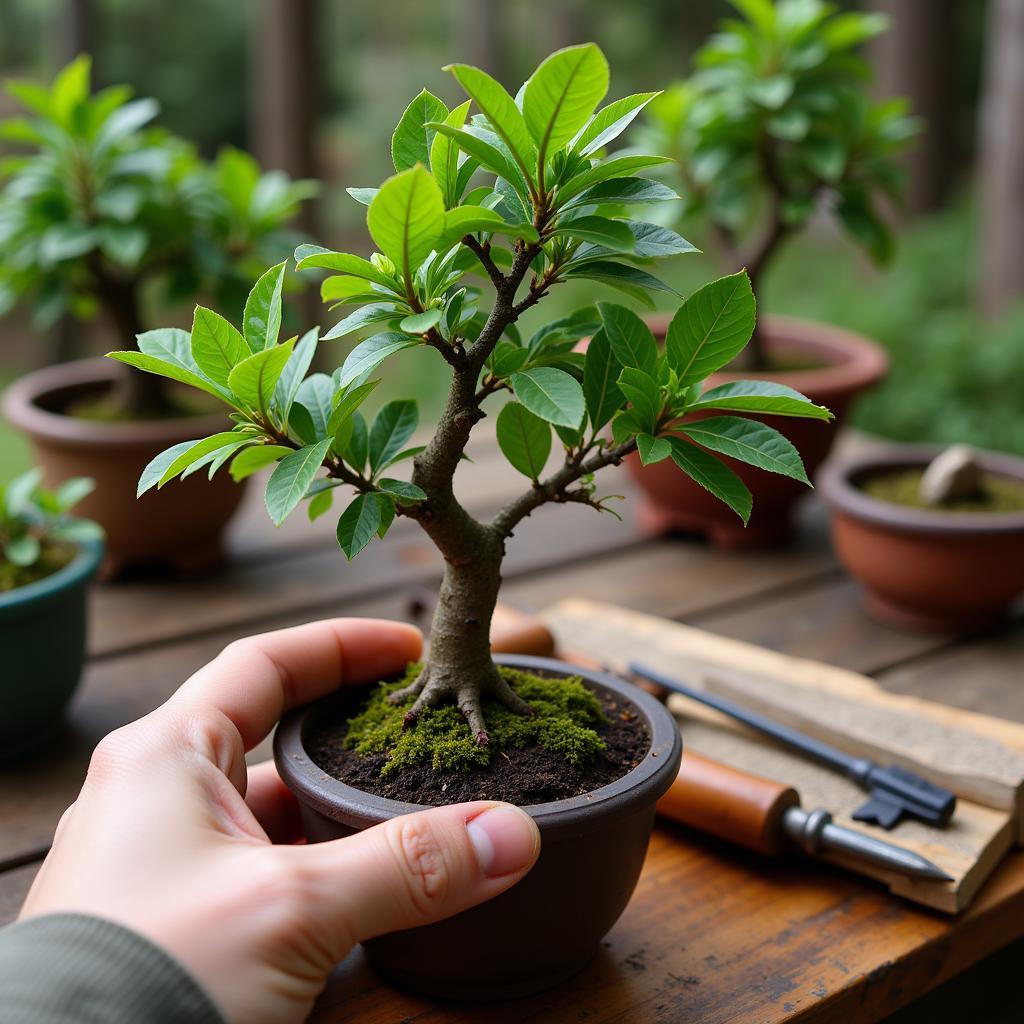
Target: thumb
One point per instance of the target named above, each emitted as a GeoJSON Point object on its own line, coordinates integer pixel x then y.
{"type": "Point", "coordinates": [418, 868]}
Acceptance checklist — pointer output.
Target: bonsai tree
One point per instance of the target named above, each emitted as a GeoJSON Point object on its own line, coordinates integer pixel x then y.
{"type": "Point", "coordinates": [774, 123]}
{"type": "Point", "coordinates": [37, 532]}
{"type": "Point", "coordinates": [552, 206]}
{"type": "Point", "coordinates": [103, 208]}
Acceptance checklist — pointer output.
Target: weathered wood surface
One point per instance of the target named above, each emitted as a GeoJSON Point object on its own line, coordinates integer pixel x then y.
{"type": "Point", "coordinates": [713, 934]}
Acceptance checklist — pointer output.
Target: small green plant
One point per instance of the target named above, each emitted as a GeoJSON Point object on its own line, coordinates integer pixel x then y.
{"type": "Point", "coordinates": [104, 207]}
{"type": "Point", "coordinates": [774, 122]}
{"type": "Point", "coordinates": [521, 196]}
{"type": "Point", "coordinates": [37, 533]}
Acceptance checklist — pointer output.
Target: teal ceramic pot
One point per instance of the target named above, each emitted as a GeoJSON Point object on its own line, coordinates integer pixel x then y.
{"type": "Point", "coordinates": [42, 648]}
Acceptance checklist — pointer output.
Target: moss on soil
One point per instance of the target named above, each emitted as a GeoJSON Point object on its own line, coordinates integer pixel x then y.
{"type": "Point", "coordinates": [52, 558]}
{"type": "Point", "coordinates": [107, 409]}
{"type": "Point", "coordinates": [565, 722]}
{"type": "Point", "coordinates": [1000, 493]}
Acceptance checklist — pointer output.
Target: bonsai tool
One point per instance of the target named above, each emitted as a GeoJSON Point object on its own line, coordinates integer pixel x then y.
{"type": "Point", "coordinates": [894, 792]}
{"type": "Point", "coordinates": [766, 817]}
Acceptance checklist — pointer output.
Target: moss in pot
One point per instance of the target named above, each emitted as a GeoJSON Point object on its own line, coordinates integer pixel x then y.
{"type": "Point", "coordinates": [47, 558]}
{"type": "Point", "coordinates": [457, 266]}
{"type": "Point", "coordinates": [936, 537]}
{"type": "Point", "coordinates": [100, 216]}
{"type": "Point", "coordinates": [774, 127]}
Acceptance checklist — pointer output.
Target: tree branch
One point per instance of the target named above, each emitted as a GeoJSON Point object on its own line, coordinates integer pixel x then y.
{"type": "Point", "coordinates": [556, 487]}
{"type": "Point", "coordinates": [483, 254]}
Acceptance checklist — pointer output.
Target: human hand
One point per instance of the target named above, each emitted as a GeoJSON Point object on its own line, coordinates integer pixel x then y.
{"type": "Point", "coordinates": [173, 837]}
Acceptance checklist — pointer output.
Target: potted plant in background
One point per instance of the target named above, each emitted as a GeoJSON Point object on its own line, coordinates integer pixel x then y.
{"type": "Point", "coordinates": [46, 561]}
{"type": "Point", "coordinates": [102, 213]}
{"type": "Point", "coordinates": [587, 753]}
{"type": "Point", "coordinates": [773, 126]}
{"type": "Point", "coordinates": [936, 536]}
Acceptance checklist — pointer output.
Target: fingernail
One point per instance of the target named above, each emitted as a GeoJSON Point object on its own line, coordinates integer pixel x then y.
{"type": "Point", "coordinates": [504, 838]}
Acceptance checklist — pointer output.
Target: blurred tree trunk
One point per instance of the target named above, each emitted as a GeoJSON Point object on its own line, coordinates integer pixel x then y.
{"type": "Point", "coordinates": [1001, 158]}
{"type": "Point", "coordinates": [917, 58]}
{"type": "Point", "coordinates": [484, 39]}
{"type": "Point", "coordinates": [283, 90]}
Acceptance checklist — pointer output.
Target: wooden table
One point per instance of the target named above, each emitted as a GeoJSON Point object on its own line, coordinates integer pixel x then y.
{"type": "Point", "coordinates": [712, 934]}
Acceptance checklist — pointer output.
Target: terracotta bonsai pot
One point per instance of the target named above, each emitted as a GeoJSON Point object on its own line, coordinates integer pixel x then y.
{"type": "Point", "coordinates": [42, 637]}
{"type": "Point", "coordinates": [180, 526]}
{"type": "Point", "coordinates": [550, 924]}
{"type": "Point", "coordinates": [849, 364]}
{"type": "Point", "coordinates": [925, 568]}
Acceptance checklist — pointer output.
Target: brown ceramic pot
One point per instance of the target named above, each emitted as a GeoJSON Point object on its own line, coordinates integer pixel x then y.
{"type": "Point", "coordinates": [549, 925]}
{"type": "Point", "coordinates": [180, 526]}
{"type": "Point", "coordinates": [849, 364]}
{"type": "Point", "coordinates": [924, 568]}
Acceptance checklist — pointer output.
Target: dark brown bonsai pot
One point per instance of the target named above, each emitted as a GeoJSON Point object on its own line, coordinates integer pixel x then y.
{"type": "Point", "coordinates": [180, 526]}
{"type": "Point", "coordinates": [846, 364]}
{"type": "Point", "coordinates": [548, 926]}
{"type": "Point", "coordinates": [925, 568]}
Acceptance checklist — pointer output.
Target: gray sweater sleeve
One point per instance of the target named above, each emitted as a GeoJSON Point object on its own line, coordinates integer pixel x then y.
{"type": "Point", "coordinates": [75, 969]}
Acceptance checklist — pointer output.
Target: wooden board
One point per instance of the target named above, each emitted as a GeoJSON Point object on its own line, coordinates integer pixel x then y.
{"type": "Point", "coordinates": [842, 707]}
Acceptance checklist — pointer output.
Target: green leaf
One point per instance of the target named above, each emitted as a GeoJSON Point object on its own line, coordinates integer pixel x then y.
{"type": "Point", "coordinates": [157, 466]}
{"type": "Point", "coordinates": [22, 551]}
{"type": "Point", "coordinates": [404, 493]}
{"type": "Point", "coordinates": [316, 396]}
{"type": "Point", "coordinates": [487, 155]}
{"type": "Point", "coordinates": [632, 191]}
{"type": "Point", "coordinates": [617, 167]}
{"type": "Point", "coordinates": [350, 400]}
{"type": "Point", "coordinates": [561, 94]}
{"type": "Point", "coordinates": [72, 491]}
{"type": "Point", "coordinates": [613, 234]}
{"type": "Point", "coordinates": [410, 145]}
{"type": "Point", "coordinates": [319, 504]}
{"type": "Point", "coordinates": [629, 280]}
{"type": "Point", "coordinates": [294, 372]}
{"type": "Point", "coordinates": [552, 394]}
{"type": "Point", "coordinates": [748, 441]}
{"type": "Point", "coordinates": [600, 375]}
{"type": "Point", "coordinates": [525, 439]}
{"type": "Point", "coordinates": [369, 354]}
{"type": "Point", "coordinates": [252, 460]}
{"type": "Point", "coordinates": [217, 347]}
{"type": "Point", "coordinates": [711, 328]}
{"type": "Point", "coordinates": [359, 522]}
{"type": "Point", "coordinates": [291, 479]}
{"type": "Point", "coordinates": [195, 452]}
{"type": "Point", "coordinates": [654, 241]}
{"type": "Point", "coordinates": [387, 514]}
{"type": "Point", "coordinates": [761, 396]}
{"type": "Point", "coordinates": [652, 449]}
{"type": "Point", "coordinates": [355, 450]}
{"type": "Point", "coordinates": [467, 220]}
{"type": "Point", "coordinates": [316, 257]}
{"type": "Point", "coordinates": [643, 394]}
{"type": "Point", "coordinates": [610, 122]}
{"type": "Point", "coordinates": [630, 338]}
{"type": "Point", "coordinates": [444, 156]}
{"type": "Point", "coordinates": [406, 219]}
{"type": "Point", "coordinates": [420, 323]}
{"type": "Point", "coordinates": [163, 368]}
{"type": "Point", "coordinates": [363, 195]}
{"type": "Point", "coordinates": [253, 380]}
{"type": "Point", "coordinates": [501, 111]}
{"type": "Point", "coordinates": [713, 476]}
{"type": "Point", "coordinates": [394, 425]}
{"type": "Point", "coordinates": [373, 313]}
{"type": "Point", "coordinates": [261, 321]}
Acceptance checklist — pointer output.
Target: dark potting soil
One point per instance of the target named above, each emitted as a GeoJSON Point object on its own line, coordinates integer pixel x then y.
{"type": "Point", "coordinates": [523, 776]}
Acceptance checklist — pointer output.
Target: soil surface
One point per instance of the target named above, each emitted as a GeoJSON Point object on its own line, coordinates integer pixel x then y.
{"type": "Point", "coordinates": [528, 775]}
{"type": "Point", "coordinates": [998, 493]}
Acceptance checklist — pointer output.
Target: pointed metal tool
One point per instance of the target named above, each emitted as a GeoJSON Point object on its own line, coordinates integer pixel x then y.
{"type": "Point", "coordinates": [893, 792]}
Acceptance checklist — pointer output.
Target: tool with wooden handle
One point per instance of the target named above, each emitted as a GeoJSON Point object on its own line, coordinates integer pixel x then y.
{"type": "Point", "coordinates": [766, 816]}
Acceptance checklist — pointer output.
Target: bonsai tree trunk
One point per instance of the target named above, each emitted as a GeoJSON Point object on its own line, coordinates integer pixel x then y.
{"type": "Point", "coordinates": [139, 395]}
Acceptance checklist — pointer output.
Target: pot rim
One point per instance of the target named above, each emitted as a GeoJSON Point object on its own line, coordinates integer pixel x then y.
{"type": "Point", "coordinates": [22, 404]}
{"type": "Point", "coordinates": [639, 787]}
{"type": "Point", "coordinates": [85, 563]}
{"type": "Point", "coordinates": [837, 479]}
{"type": "Point", "coordinates": [853, 362]}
